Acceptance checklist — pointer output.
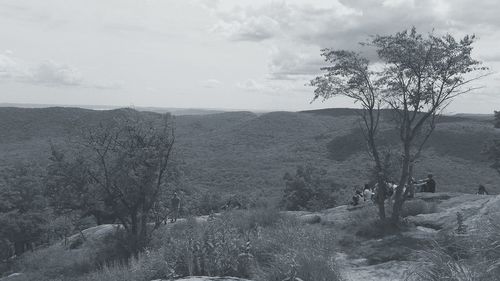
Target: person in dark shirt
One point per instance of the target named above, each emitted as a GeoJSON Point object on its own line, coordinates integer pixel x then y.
{"type": "Point", "coordinates": [482, 190]}
{"type": "Point", "coordinates": [430, 184]}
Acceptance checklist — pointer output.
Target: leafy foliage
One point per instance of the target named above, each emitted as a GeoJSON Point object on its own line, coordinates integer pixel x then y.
{"type": "Point", "coordinates": [120, 170]}
{"type": "Point", "coordinates": [308, 190]}
{"type": "Point", "coordinates": [23, 213]}
{"type": "Point", "coordinates": [417, 78]}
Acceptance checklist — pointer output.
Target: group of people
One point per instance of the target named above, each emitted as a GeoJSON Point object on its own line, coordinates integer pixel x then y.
{"type": "Point", "coordinates": [369, 193]}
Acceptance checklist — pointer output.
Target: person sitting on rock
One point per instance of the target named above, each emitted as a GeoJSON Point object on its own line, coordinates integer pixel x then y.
{"type": "Point", "coordinates": [367, 193]}
{"type": "Point", "coordinates": [356, 198]}
{"type": "Point", "coordinates": [482, 190]}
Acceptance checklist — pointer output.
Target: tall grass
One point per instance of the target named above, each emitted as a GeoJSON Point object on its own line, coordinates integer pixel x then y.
{"type": "Point", "coordinates": [474, 256]}
{"type": "Point", "coordinates": [54, 262]}
{"type": "Point", "coordinates": [257, 244]}
{"type": "Point", "coordinates": [288, 248]}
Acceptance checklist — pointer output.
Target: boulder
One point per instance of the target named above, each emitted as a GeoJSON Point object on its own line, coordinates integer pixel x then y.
{"type": "Point", "coordinates": [309, 218]}
{"type": "Point", "coordinates": [13, 277]}
{"type": "Point", "coordinates": [474, 209]}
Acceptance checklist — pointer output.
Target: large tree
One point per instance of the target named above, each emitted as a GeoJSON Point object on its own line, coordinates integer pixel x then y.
{"type": "Point", "coordinates": [120, 168]}
{"type": "Point", "coordinates": [416, 76]}
{"type": "Point", "coordinates": [350, 75]}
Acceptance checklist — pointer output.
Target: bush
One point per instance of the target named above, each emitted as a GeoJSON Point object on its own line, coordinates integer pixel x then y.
{"type": "Point", "coordinates": [289, 248]}
{"type": "Point", "coordinates": [60, 261]}
{"type": "Point", "coordinates": [147, 266]}
{"type": "Point", "coordinates": [53, 262]}
{"type": "Point", "coordinates": [251, 220]}
{"type": "Point", "coordinates": [193, 248]}
{"type": "Point", "coordinates": [308, 190]}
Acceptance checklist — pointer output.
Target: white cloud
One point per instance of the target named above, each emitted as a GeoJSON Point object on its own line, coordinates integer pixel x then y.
{"type": "Point", "coordinates": [47, 73]}
{"type": "Point", "coordinates": [274, 87]}
{"type": "Point", "coordinates": [55, 74]}
{"type": "Point", "coordinates": [10, 67]}
{"type": "Point", "coordinates": [211, 83]}
{"type": "Point", "coordinates": [244, 27]}
{"type": "Point", "coordinates": [294, 63]}
{"type": "Point", "coordinates": [252, 85]}
{"type": "Point", "coordinates": [300, 30]}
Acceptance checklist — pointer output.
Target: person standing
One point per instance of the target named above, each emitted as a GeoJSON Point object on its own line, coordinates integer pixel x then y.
{"type": "Point", "coordinates": [176, 206]}
{"type": "Point", "coordinates": [430, 184]}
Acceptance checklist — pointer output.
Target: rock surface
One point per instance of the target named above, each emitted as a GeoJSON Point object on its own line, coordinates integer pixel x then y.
{"type": "Point", "coordinates": [383, 259]}
{"type": "Point", "coordinates": [477, 211]}
{"type": "Point", "coordinates": [205, 278]}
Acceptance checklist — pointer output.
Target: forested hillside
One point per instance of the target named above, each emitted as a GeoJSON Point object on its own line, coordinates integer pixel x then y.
{"type": "Point", "coordinates": [237, 152]}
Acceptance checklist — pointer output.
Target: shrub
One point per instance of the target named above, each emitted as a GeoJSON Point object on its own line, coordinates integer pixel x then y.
{"type": "Point", "coordinates": [54, 262]}
{"type": "Point", "coordinates": [146, 266]}
{"type": "Point", "coordinates": [308, 190]}
{"type": "Point", "coordinates": [251, 220]}
{"type": "Point", "coordinates": [210, 248]}
{"type": "Point", "coordinates": [289, 248]}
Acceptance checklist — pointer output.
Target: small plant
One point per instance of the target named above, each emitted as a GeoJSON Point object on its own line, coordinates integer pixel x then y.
{"type": "Point", "coordinates": [461, 227]}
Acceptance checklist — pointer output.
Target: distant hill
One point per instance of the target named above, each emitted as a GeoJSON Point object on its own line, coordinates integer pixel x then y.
{"type": "Point", "coordinates": [172, 110]}
{"type": "Point", "coordinates": [243, 151]}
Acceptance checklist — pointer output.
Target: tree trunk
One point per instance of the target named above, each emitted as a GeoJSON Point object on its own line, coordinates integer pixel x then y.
{"type": "Point", "coordinates": [399, 198]}
{"type": "Point", "coordinates": [134, 235]}
{"type": "Point", "coordinates": [380, 199]}
{"type": "Point", "coordinates": [381, 203]}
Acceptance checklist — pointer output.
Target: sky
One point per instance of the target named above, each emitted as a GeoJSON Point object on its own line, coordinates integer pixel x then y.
{"type": "Point", "coordinates": [221, 54]}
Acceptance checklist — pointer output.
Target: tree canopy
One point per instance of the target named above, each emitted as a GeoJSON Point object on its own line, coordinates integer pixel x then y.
{"type": "Point", "coordinates": [415, 75]}
{"type": "Point", "coordinates": [119, 170]}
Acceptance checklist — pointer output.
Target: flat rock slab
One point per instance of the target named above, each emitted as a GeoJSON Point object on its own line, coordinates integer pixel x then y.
{"type": "Point", "coordinates": [206, 278]}
{"type": "Point", "coordinates": [389, 271]}
{"type": "Point", "coordinates": [474, 209]}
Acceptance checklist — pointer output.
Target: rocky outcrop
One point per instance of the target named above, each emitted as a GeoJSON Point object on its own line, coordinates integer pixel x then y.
{"type": "Point", "coordinates": [12, 277]}
{"type": "Point", "coordinates": [475, 209]}
{"type": "Point", "coordinates": [205, 278]}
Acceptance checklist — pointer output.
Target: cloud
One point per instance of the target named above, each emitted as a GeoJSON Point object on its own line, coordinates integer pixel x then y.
{"type": "Point", "coordinates": [293, 64]}
{"type": "Point", "coordinates": [10, 67]}
{"type": "Point", "coordinates": [253, 86]}
{"type": "Point", "coordinates": [300, 30]}
{"type": "Point", "coordinates": [211, 83]}
{"type": "Point", "coordinates": [55, 74]}
{"type": "Point", "coordinates": [244, 26]}
{"type": "Point", "coordinates": [273, 87]}
{"type": "Point", "coordinates": [47, 73]}
{"type": "Point", "coordinates": [277, 20]}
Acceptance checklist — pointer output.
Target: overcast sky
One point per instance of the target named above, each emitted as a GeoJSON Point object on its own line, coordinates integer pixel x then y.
{"type": "Point", "coordinates": [233, 54]}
